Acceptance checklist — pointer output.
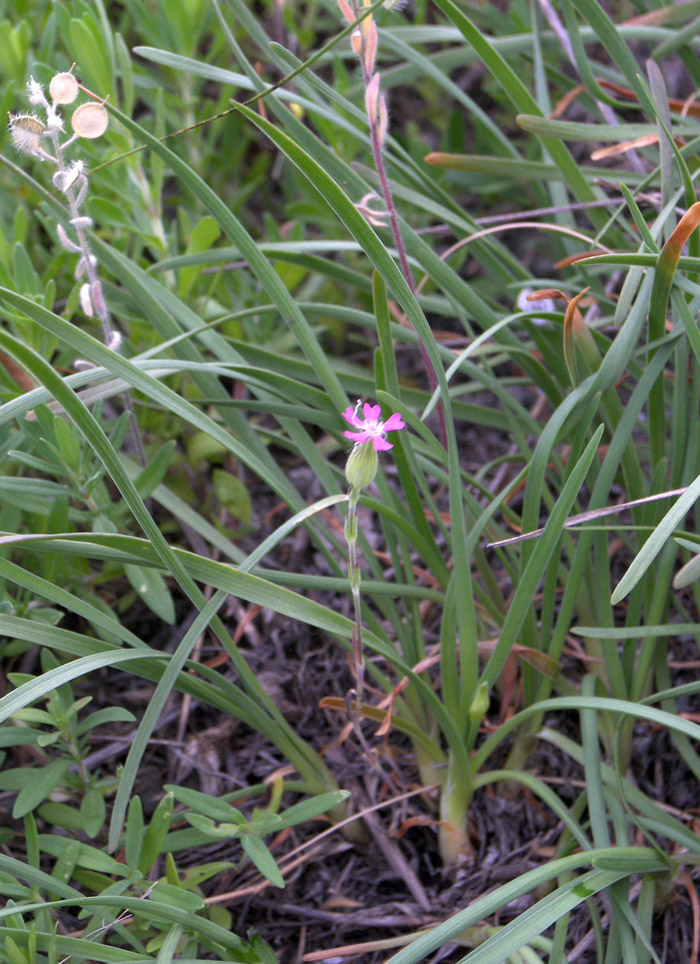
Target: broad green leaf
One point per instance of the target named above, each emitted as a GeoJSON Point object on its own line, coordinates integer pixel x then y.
{"type": "Point", "coordinates": [233, 495]}
{"type": "Point", "coordinates": [309, 809]}
{"type": "Point", "coordinates": [153, 590]}
{"type": "Point", "coordinates": [44, 780]}
{"type": "Point", "coordinates": [262, 858]}
{"type": "Point", "coordinates": [176, 897]}
{"type": "Point", "coordinates": [133, 832]}
{"type": "Point", "coordinates": [204, 803]}
{"type": "Point", "coordinates": [92, 811]}
{"type": "Point", "coordinates": [156, 832]}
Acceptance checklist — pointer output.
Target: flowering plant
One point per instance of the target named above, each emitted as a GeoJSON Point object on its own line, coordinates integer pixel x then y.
{"type": "Point", "coordinates": [360, 470]}
{"type": "Point", "coordinates": [371, 428]}
{"type": "Point", "coordinates": [88, 122]}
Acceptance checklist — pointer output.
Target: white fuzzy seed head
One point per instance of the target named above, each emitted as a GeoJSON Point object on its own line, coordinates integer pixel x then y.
{"type": "Point", "coordinates": [63, 88]}
{"type": "Point", "coordinates": [26, 131]}
{"type": "Point", "coordinates": [90, 120]}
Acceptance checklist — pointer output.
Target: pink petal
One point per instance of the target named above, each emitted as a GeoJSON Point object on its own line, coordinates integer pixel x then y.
{"type": "Point", "coordinates": [381, 444]}
{"type": "Point", "coordinates": [358, 436]}
{"type": "Point", "coordinates": [394, 423]}
{"type": "Point", "coordinates": [372, 412]}
{"type": "Point", "coordinates": [350, 416]}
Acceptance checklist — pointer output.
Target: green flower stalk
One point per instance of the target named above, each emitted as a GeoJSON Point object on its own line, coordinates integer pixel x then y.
{"type": "Point", "coordinates": [360, 471]}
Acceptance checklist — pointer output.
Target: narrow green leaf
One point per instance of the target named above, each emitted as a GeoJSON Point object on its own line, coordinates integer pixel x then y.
{"type": "Point", "coordinates": [37, 878]}
{"type": "Point", "coordinates": [153, 474]}
{"type": "Point", "coordinates": [656, 541]}
{"type": "Point", "coordinates": [150, 717]}
{"type": "Point", "coordinates": [522, 100]}
{"type": "Point", "coordinates": [28, 692]}
{"type": "Point", "coordinates": [555, 905]}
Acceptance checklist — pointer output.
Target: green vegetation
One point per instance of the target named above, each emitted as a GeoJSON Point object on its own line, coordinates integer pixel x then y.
{"type": "Point", "coordinates": [293, 207]}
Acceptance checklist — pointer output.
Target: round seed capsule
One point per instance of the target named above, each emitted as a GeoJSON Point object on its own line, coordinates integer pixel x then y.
{"type": "Point", "coordinates": [90, 120]}
{"type": "Point", "coordinates": [63, 88]}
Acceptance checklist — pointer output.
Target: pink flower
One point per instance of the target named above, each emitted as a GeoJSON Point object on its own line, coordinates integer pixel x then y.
{"type": "Point", "coordinates": [370, 427]}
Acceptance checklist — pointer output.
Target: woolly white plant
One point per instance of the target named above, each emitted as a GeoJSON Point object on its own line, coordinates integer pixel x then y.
{"type": "Point", "coordinates": [29, 133]}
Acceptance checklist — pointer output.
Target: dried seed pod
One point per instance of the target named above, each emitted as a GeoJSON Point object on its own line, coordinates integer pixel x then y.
{"type": "Point", "coordinates": [63, 88]}
{"type": "Point", "coordinates": [90, 120]}
{"type": "Point", "coordinates": [26, 131]}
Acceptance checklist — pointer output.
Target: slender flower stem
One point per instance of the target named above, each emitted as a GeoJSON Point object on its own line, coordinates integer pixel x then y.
{"type": "Point", "coordinates": [389, 202]}
{"type": "Point", "coordinates": [87, 257]}
{"type": "Point", "coordinates": [367, 62]}
{"type": "Point", "coordinates": [74, 194]}
{"type": "Point", "coordinates": [354, 577]}
{"type": "Point", "coordinates": [369, 436]}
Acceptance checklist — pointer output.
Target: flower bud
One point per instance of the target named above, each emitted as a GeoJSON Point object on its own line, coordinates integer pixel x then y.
{"type": "Point", "coordinates": [480, 704]}
{"type": "Point", "coordinates": [66, 241]}
{"type": "Point", "coordinates": [372, 99]}
{"type": "Point", "coordinates": [383, 124]}
{"type": "Point", "coordinates": [63, 88]}
{"type": "Point", "coordinates": [346, 11]}
{"type": "Point", "coordinates": [90, 120]}
{"type": "Point", "coordinates": [82, 265]}
{"type": "Point", "coordinates": [85, 300]}
{"type": "Point", "coordinates": [97, 298]}
{"type": "Point", "coordinates": [361, 466]}
{"type": "Point", "coordinates": [36, 92]}
{"type": "Point", "coordinates": [371, 41]}
{"type": "Point", "coordinates": [54, 121]}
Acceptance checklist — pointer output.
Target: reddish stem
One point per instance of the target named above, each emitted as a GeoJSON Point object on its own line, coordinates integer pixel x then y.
{"type": "Point", "coordinates": [398, 241]}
